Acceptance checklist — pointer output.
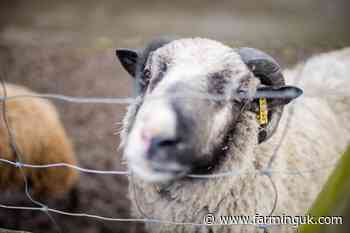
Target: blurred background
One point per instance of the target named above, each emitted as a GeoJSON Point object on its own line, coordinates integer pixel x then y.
{"type": "Point", "coordinates": [68, 47]}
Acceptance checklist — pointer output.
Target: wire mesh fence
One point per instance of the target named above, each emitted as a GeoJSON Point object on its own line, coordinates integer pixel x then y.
{"type": "Point", "coordinates": [39, 206]}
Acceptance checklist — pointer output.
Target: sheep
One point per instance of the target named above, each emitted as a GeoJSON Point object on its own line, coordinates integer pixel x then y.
{"type": "Point", "coordinates": [170, 133]}
{"type": "Point", "coordinates": [40, 139]}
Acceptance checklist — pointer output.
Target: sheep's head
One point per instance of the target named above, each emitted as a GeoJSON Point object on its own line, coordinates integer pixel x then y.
{"type": "Point", "coordinates": [191, 92]}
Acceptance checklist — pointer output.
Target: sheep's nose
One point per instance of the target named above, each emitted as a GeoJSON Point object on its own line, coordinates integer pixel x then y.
{"type": "Point", "coordinates": [160, 149]}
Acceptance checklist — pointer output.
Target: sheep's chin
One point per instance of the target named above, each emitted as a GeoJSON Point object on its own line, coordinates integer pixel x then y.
{"type": "Point", "coordinates": [153, 175]}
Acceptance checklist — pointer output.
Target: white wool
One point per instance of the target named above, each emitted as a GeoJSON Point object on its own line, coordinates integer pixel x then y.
{"type": "Point", "coordinates": [318, 134]}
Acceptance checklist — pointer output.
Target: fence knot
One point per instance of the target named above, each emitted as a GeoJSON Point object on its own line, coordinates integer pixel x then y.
{"type": "Point", "coordinates": [44, 208]}
{"type": "Point", "coordinates": [266, 172]}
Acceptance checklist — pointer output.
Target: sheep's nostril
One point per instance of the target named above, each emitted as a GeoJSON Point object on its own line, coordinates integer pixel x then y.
{"type": "Point", "coordinates": [161, 149]}
{"type": "Point", "coordinates": [161, 142]}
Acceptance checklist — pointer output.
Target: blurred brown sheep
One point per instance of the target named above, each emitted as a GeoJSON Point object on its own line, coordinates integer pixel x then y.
{"type": "Point", "coordinates": [41, 139]}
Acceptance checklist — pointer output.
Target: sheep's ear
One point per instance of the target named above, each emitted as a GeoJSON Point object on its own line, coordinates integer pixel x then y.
{"type": "Point", "coordinates": [278, 96]}
{"type": "Point", "coordinates": [268, 105]}
{"type": "Point", "coordinates": [128, 58]}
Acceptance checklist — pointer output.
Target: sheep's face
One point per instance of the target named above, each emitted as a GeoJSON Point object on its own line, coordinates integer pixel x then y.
{"type": "Point", "coordinates": [175, 127]}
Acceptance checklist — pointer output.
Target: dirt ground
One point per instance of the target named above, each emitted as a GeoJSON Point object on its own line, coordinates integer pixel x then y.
{"type": "Point", "coordinates": [69, 48]}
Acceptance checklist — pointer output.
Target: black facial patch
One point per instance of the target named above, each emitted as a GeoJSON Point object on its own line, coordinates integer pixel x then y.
{"type": "Point", "coordinates": [163, 67]}
{"type": "Point", "coordinates": [185, 123]}
{"type": "Point", "coordinates": [220, 152]}
{"type": "Point", "coordinates": [184, 126]}
{"type": "Point", "coordinates": [217, 83]}
{"type": "Point", "coordinates": [141, 63]}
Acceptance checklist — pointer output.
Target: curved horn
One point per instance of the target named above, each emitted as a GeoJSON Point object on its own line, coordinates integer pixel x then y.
{"type": "Point", "coordinates": [264, 67]}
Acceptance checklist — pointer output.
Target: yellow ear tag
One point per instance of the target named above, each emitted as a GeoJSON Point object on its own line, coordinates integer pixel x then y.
{"type": "Point", "coordinates": [262, 117]}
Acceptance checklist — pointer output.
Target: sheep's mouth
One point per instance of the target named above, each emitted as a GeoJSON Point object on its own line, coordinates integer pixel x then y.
{"type": "Point", "coordinates": [171, 168]}
{"type": "Point", "coordinates": [158, 172]}
{"type": "Point", "coordinates": [203, 164]}
{"type": "Point", "coordinates": [177, 159]}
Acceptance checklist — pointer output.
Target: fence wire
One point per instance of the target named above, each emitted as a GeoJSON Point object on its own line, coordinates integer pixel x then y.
{"type": "Point", "coordinates": [19, 157]}
{"type": "Point", "coordinates": [38, 206]}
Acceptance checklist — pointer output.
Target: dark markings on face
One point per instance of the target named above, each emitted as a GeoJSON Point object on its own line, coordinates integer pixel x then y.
{"type": "Point", "coordinates": [141, 63]}
{"type": "Point", "coordinates": [210, 163]}
{"type": "Point", "coordinates": [184, 128]}
{"type": "Point", "coordinates": [162, 69]}
{"type": "Point", "coordinates": [216, 84]}
{"type": "Point", "coordinates": [146, 77]}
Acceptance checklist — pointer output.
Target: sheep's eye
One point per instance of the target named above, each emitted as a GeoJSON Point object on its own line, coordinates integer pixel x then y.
{"type": "Point", "coordinates": [241, 94]}
{"type": "Point", "coordinates": [146, 76]}
{"type": "Point", "coordinates": [163, 67]}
